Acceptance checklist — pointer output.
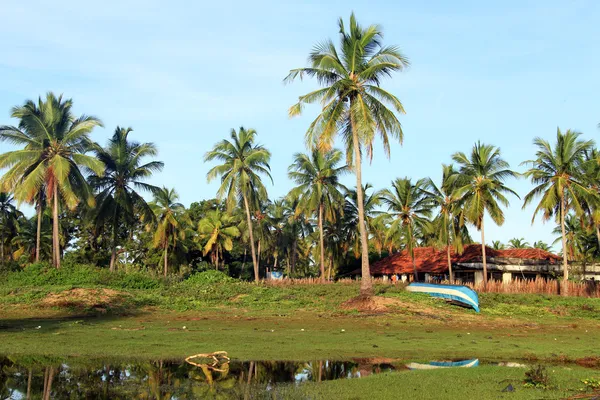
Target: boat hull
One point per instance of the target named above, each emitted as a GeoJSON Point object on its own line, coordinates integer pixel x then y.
{"type": "Point", "coordinates": [455, 293]}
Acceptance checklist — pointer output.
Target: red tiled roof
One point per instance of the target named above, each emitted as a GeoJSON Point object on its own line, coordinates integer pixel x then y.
{"type": "Point", "coordinates": [432, 260]}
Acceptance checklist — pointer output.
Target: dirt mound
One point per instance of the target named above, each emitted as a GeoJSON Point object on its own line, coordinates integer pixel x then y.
{"type": "Point", "coordinates": [86, 299]}
{"type": "Point", "coordinates": [370, 304]}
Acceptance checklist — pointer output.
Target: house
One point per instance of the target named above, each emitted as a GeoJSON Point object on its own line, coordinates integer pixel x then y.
{"type": "Point", "coordinates": [506, 265]}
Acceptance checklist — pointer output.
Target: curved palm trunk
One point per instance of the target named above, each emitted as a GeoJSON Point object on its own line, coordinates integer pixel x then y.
{"type": "Point", "coordinates": [450, 272]}
{"type": "Point", "coordinates": [321, 242]}
{"type": "Point", "coordinates": [366, 284]}
{"type": "Point", "coordinates": [252, 251]}
{"type": "Point", "coordinates": [564, 243]}
{"type": "Point", "coordinates": [483, 256]}
{"type": "Point", "coordinates": [2, 245]}
{"type": "Point", "coordinates": [55, 233]}
{"type": "Point", "coordinates": [38, 234]}
{"type": "Point", "coordinates": [597, 234]}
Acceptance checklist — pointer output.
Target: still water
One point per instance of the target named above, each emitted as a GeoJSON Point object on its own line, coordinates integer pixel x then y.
{"type": "Point", "coordinates": [23, 377]}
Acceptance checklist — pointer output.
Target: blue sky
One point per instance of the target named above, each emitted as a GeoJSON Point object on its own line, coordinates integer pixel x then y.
{"type": "Point", "coordinates": [183, 74]}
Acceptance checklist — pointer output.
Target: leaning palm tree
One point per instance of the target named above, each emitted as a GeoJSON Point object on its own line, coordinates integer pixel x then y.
{"type": "Point", "coordinates": [54, 154]}
{"type": "Point", "coordinates": [118, 200]}
{"type": "Point", "coordinates": [482, 187]}
{"type": "Point", "coordinates": [448, 225]}
{"type": "Point", "coordinates": [410, 207]}
{"type": "Point", "coordinates": [242, 163]}
{"type": "Point", "coordinates": [353, 103]}
{"type": "Point", "coordinates": [319, 189]}
{"type": "Point", "coordinates": [171, 222]}
{"type": "Point", "coordinates": [591, 177]}
{"type": "Point", "coordinates": [9, 217]}
{"type": "Point", "coordinates": [217, 230]}
{"type": "Point", "coordinates": [556, 173]}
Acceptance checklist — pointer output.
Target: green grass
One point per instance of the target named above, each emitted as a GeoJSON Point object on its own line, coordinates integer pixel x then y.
{"type": "Point", "coordinates": [145, 318]}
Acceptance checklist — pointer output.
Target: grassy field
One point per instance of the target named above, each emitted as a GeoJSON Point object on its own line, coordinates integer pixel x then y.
{"type": "Point", "coordinates": [208, 313]}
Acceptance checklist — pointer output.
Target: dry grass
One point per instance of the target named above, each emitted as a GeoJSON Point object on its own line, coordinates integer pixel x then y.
{"type": "Point", "coordinates": [540, 286]}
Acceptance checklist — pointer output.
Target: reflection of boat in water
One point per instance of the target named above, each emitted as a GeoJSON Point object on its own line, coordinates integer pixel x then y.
{"type": "Point", "coordinates": [460, 295]}
{"type": "Point", "coordinates": [445, 364]}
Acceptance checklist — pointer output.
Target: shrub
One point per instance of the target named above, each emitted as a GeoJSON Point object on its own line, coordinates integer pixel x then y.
{"type": "Point", "coordinates": [537, 377]}
{"type": "Point", "coordinates": [208, 278]}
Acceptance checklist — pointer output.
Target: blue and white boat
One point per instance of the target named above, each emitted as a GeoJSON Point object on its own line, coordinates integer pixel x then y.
{"type": "Point", "coordinates": [454, 293]}
{"type": "Point", "coordinates": [444, 364]}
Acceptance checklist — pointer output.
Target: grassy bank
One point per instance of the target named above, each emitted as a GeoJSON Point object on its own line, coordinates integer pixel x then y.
{"type": "Point", "coordinates": [152, 318]}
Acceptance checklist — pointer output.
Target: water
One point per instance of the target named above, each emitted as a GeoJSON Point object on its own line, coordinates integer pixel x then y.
{"type": "Point", "coordinates": [167, 379]}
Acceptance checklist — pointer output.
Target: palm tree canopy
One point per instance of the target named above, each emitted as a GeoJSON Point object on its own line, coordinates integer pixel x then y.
{"type": "Point", "coordinates": [482, 183]}
{"type": "Point", "coordinates": [125, 170]}
{"type": "Point", "coordinates": [317, 176]}
{"type": "Point", "coordinates": [557, 172]}
{"type": "Point", "coordinates": [518, 243]}
{"type": "Point", "coordinates": [243, 162]}
{"type": "Point", "coordinates": [351, 95]}
{"type": "Point", "coordinates": [168, 213]}
{"type": "Point", "coordinates": [55, 143]}
{"type": "Point", "coordinates": [410, 206]}
{"type": "Point", "coordinates": [218, 229]}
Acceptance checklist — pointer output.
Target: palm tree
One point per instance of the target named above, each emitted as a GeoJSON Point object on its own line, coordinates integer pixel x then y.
{"type": "Point", "coordinates": [118, 200]}
{"type": "Point", "coordinates": [542, 246]}
{"type": "Point", "coordinates": [410, 207]}
{"type": "Point", "coordinates": [353, 103]}
{"type": "Point", "coordinates": [317, 176]}
{"type": "Point", "coordinates": [170, 224]}
{"type": "Point", "coordinates": [557, 176]}
{"type": "Point", "coordinates": [448, 225]}
{"type": "Point", "coordinates": [591, 177]}
{"type": "Point", "coordinates": [9, 217]}
{"type": "Point", "coordinates": [27, 241]}
{"type": "Point", "coordinates": [55, 143]}
{"type": "Point", "coordinates": [243, 162]}
{"type": "Point", "coordinates": [218, 229]}
{"type": "Point", "coordinates": [350, 212]}
{"type": "Point", "coordinates": [482, 188]}
{"type": "Point", "coordinates": [518, 243]}
{"type": "Point", "coordinates": [498, 245]}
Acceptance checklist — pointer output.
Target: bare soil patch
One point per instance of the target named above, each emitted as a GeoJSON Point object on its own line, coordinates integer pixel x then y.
{"type": "Point", "coordinates": [100, 300]}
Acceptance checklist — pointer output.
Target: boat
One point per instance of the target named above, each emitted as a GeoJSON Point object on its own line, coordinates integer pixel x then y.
{"type": "Point", "coordinates": [460, 295]}
{"type": "Point", "coordinates": [444, 364]}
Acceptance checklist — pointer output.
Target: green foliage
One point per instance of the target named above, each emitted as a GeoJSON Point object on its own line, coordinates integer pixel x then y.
{"type": "Point", "coordinates": [591, 383]}
{"type": "Point", "coordinates": [208, 278]}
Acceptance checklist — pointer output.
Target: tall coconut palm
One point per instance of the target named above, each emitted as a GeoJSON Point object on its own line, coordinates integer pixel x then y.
{"type": "Point", "coordinates": [449, 227]}
{"type": "Point", "coordinates": [171, 222]}
{"type": "Point", "coordinates": [9, 217]}
{"type": "Point", "coordinates": [217, 230]}
{"type": "Point", "coordinates": [118, 200]}
{"type": "Point", "coordinates": [319, 189]}
{"type": "Point", "coordinates": [54, 155]}
{"type": "Point", "coordinates": [243, 162]}
{"type": "Point", "coordinates": [410, 207]}
{"type": "Point", "coordinates": [353, 103]}
{"type": "Point", "coordinates": [591, 177]}
{"type": "Point", "coordinates": [556, 173]}
{"type": "Point", "coordinates": [482, 188]}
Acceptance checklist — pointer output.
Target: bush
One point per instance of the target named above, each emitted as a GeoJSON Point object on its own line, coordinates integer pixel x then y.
{"type": "Point", "coordinates": [135, 280]}
{"type": "Point", "coordinates": [208, 278]}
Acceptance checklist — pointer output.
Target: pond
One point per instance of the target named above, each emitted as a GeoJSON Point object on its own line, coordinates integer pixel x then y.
{"type": "Point", "coordinates": [23, 377]}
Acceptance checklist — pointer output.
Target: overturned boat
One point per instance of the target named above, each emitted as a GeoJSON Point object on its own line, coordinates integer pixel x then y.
{"type": "Point", "coordinates": [460, 295]}
{"type": "Point", "coordinates": [444, 364]}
